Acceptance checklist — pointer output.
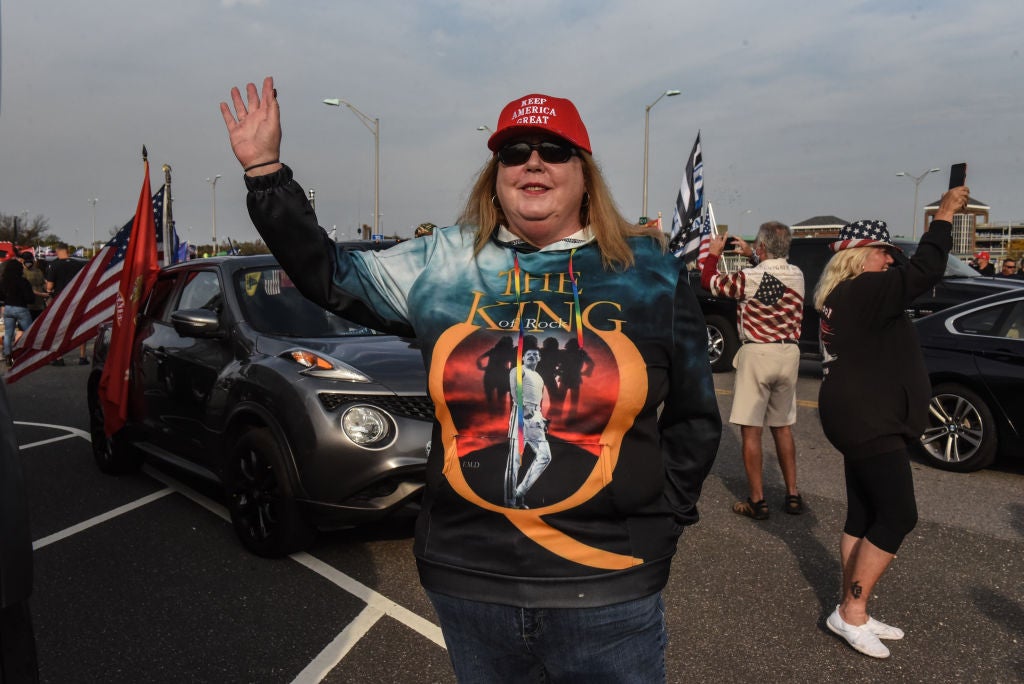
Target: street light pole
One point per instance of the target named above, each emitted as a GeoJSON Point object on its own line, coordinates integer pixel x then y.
{"type": "Point", "coordinates": [373, 125]}
{"type": "Point", "coordinates": [647, 128]}
{"type": "Point", "coordinates": [213, 190]}
{"type": "Point", "coordinates": [93, 201]}
{"type": "Point", "coordinates": [917, 183]}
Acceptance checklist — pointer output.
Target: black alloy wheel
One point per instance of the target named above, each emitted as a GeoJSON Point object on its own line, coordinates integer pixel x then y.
{"type": "Point", "coordinates": [114, 455]}
{"type": "Point", "coordinates": [961, 432]}
{"type": "Point", "coordinates": [264, 512]}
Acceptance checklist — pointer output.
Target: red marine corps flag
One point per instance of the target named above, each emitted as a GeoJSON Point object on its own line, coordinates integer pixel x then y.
{"type": "Point", "coordinates": [137, 276]}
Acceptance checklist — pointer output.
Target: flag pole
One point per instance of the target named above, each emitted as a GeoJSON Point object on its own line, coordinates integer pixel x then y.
{"type": "Point", "coordinates": [168, 227]}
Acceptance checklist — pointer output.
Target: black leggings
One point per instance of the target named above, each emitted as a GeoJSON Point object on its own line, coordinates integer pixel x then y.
{"type": "Point", "coordinates": [880, 499]}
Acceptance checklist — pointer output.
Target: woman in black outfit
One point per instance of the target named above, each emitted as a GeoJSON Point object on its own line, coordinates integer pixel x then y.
{"type": "Point", "coordinates": [17, 295]}
{"type": "Point", "coordinates": [873, 400]}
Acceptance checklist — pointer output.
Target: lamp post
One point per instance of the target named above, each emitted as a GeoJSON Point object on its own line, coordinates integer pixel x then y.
{"type": "Point", "coordinates": [647, 128]}
{"type": "Point", "coordinates": [373, 125]}
{"type": "Point", "coordinates": [213, 190]}
{"type": "Point", "coordinates": [917, 183]}
{"type": "Point", "coordinates": [93, 201]}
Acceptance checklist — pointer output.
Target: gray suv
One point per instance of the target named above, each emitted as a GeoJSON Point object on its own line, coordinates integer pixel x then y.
{"type": "Point", "coordinates": [307, 420]}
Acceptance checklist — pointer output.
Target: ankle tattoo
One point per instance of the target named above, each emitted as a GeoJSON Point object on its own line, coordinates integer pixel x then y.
{"type": "Point", "coordinates": [856, 589]}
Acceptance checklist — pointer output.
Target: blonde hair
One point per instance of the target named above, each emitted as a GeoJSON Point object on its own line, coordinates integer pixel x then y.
{"type": "Point", "coordinates": [845, 265]}
{"type": "Point", "coordinates": [611, 229]}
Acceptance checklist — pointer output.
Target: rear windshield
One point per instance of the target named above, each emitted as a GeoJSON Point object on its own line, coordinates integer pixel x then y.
{"type": "Point", "coordinates": [955, 268]}
{"type": "Point", "coordinates": [272, 305]}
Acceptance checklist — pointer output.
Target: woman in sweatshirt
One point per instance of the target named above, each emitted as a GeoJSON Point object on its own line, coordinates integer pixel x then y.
{"type": "Point", "coordinates": [559, 578]}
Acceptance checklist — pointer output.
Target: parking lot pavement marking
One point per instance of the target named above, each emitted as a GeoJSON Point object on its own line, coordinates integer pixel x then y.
{"type": "Point", "coordinates": [71, 432]}
{"type": "Point", "coordinates": [372, 598]}
{"type": "Point", "coordinates": [189, 493]}
{"type": "Point", "coordinates": [102, 518]}
{"type": "Point", "coordinates": [336, 651]}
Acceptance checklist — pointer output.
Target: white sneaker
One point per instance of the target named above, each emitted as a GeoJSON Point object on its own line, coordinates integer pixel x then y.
{"type": "Point", "coordinates": [884, 631]}
{"type": "Point", "coordinates": [860, 637]}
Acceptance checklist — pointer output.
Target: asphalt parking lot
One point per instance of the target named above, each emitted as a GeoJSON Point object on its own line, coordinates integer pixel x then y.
{"type": "Point", "coordinates": [140, 579]}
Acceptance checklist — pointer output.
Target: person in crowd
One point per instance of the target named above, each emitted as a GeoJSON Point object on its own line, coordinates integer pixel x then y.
{"type": "Point", "coordinates": [1009, 269]}
{"type": "Point", "coordinates": [873, 401]}
{"type": "Point", "coordinates": [769, 298]}
{"type": "Point", "coordinates": [568, 589]}
{"type": "Point", "coordinates": [35, 277]}
{"type": "Point", "coordinates": [62, 270]}
{"type": "Point", "coordinates": [16, 294]}
{"type": "Point", "coordinates": [983, 264]}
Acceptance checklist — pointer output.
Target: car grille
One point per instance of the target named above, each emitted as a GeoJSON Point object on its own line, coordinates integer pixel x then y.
{"type": "Point", "coordinates": [416, 406]}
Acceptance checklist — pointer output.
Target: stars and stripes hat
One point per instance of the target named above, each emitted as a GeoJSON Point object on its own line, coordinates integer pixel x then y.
{"type": "Point", "coordinates": [540, 112]}
{"type": "Point", "coordinates": [863, 233]}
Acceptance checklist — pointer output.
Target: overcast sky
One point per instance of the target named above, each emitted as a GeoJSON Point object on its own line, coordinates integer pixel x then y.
{"type": "Point", "coordinates": [805, 108]}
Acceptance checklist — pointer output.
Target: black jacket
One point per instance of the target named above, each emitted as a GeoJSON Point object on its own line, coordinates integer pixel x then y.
{"type": "Point", "coordinates": [874, 397]}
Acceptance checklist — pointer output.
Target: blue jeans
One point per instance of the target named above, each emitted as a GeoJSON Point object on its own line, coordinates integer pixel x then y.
{"type": "Point", "coordinates": [12, 315]}
{"type": "Point", "coordinates": [490, 643]}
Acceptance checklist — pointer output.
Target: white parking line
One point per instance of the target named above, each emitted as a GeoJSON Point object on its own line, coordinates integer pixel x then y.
{"type": "Point", "coordinates": [102, 518]}
{"type": "Point", "coordinates": [374, 600]}
{"type": "Point", "coordinates": [377, 605]}
{"type": "Point", "coordinates": [336, 651]}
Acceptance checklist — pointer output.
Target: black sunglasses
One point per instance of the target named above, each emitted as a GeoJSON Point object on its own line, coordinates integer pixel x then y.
{"type": "Point", "coordinates": [519, 153]}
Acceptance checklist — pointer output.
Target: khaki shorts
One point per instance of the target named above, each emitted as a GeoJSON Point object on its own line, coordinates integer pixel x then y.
{"type": "Point", "coordinates": [765, 390]}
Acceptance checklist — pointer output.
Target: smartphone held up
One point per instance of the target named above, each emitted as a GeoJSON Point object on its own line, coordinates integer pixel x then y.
{"type": "Point", "coordinates": [957, 175]}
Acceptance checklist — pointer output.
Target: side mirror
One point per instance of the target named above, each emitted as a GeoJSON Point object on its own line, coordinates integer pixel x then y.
{"type": "Point", "coordinates": [196, 323]}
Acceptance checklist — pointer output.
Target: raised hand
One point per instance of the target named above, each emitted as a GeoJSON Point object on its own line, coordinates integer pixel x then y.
{"type": "Point", "coordinates": [254, 127]}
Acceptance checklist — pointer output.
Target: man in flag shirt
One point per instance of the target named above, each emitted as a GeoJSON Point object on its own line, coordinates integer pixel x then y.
{"type": "Point", "coordinates": [769, 299]}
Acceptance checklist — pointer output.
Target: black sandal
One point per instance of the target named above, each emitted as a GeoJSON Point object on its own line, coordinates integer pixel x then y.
{"type": "Point", "coordinates": [758, 510]}
{"type": "Point", "coordinates": [794, 504]}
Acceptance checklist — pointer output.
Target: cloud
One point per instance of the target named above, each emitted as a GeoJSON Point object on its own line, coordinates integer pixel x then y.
{"type": "Point", "coordinates": [805, 108]}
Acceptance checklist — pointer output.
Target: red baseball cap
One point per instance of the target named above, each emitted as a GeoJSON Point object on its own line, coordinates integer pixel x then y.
{"type": "Point", "coordinates": [982, 255]}
{"type": "Point", "coordinates": [537, 112]}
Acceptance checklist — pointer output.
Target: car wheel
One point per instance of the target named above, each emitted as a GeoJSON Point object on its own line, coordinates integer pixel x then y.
{"type": "Point", "coordinates": [265, 515]}
{"type": "Point", "coordinates": [114, 455]}
{"type": "Point", "coordinates": [961, 433]}
{"type": "Point", "coordinates": [723, 341]}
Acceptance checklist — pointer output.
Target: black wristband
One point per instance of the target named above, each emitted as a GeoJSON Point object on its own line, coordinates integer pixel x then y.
{"type": "Point", "coordinates": [256, 166]}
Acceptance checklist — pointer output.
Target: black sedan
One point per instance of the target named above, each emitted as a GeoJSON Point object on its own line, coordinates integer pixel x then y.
{"type": "Point", "coordinates": [308, 420]}
{"type": "Point", "coordinates": [975, 358]}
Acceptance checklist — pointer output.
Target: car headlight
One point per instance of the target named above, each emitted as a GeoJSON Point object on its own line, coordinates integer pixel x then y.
{"type": "Point", "coordinates": [366, 425]}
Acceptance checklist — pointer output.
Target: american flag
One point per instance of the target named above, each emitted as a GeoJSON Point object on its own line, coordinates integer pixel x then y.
{"type": "Point", "coordinates": [774, 312]}
{"type": "Point", "coordinates": [684, 240]}
{"type": "Point", "coordinates": [708, 227]}
{"type": "Point", "coordinates": [71, 319]}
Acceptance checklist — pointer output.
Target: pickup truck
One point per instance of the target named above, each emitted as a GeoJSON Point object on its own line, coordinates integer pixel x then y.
{"type": "Point", "coordinates": [960, 283]}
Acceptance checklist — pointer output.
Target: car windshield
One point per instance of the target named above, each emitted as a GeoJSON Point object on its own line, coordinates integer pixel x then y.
{"type": "Point", "coordinates": [955, 268]}
{"type": "Point", "coordinates": [272, 305]}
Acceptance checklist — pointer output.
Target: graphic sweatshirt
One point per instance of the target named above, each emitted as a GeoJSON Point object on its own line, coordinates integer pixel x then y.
{"type": "Point", "coordinates": [874, 396]}
{"type": "Point", "coordinates": [580, 503]}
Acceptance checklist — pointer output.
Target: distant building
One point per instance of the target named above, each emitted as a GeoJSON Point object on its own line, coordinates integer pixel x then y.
{"type": "Point", "coordinates": [819, 226]}
{"type": "Point", "coordinates": [966, 242]}
{"type": "Point", "coordinates": [995, 238]}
